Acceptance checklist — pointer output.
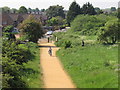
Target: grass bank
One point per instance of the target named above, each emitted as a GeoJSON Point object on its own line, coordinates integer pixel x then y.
{"type": "Point", "coordinates": [92, 66]}
{"type": "Point", "coordinates": [31, 73]}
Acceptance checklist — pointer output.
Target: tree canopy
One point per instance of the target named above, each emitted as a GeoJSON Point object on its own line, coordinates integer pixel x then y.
{"type": "Point", "coordinates": [88, 9]}
{"type": "Point", "coordinates": [54, 11]}
{"type": "Point", "coordinates": [31, 28]}
{"type": "Point", "coordinates": [74, 10]}
{"type": "Point", "coordinates": [110, 32]}
{"type": "Point", "coordinates": [22, 10]}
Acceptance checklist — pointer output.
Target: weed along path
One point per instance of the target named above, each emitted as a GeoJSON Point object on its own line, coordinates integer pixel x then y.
{"type": "Point", "coordinates": [54, 75]}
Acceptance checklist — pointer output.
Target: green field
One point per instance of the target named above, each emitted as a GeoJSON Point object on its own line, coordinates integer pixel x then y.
{"type": "Point", "coordinates": [92, 66]}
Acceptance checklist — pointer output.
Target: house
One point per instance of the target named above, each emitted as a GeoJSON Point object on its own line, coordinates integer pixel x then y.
{"type": "Point", "coordinates": [14, 18]}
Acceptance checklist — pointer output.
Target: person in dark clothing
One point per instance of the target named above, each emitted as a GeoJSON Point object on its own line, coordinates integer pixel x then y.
{"type": "Point", "coordinates": [50, 51]}
{"type": "Point", "coordinates": [83, 43]}
{"type": "Point", "coordinates": [48, 39]}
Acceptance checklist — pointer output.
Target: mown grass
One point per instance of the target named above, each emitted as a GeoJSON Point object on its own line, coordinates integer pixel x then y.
{"type": "Point", "coordinates": [31, 72]}
{"type": "Point", "coordinates": [92, 66]}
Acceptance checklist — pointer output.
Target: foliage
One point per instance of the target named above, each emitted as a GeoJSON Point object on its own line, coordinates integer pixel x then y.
{"type": "Point", "coordinates": [5, 9]}
{"type": "Point", "coordinates": [22, 10]}
{"type": "Point", "coordinates": [98, 11]}
{"type": "Point", "coordinates": [110, 32]}
{"type": "Point", "coordinates": [13, 58]}
{"type": "Point", "coordinates": [31, 28]}
{"type": "Point", "coordinates": [54, 11]}
{"type": "Point", "coordinates": [56, 21]}
{"type": "Point", "coordinates": [88, 9]}
{"type": "Point", "coordinates": [92, 66]}
{"type": "Point", "coordinates": [31, 73]}
{"type": "Point", "coordinates": [74, 10]}
{"type": "Point", "coordinates": [7, 32]}
{"type": "Point", "coordinates": [16, 65]}
{"type": "Point", "coordinates": [89, 25]}
{"type": "Point", "coordinates": [113, 8]}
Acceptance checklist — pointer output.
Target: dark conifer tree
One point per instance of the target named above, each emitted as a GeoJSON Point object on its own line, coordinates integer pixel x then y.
{"type": "Point", "coordinates": [74, 10]}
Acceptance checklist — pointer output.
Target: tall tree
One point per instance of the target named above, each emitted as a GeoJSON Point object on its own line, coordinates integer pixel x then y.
{"type": "Point", "coordinates": [54, 11]}
{"type": "Point", "coordinates": [31, 28]}
{"type": "Point", "coordinates": [23, 10]}
{"type": "Point", "coordinates": [74, 10]}
{"type": "Point", "coordinates": [88, 9]}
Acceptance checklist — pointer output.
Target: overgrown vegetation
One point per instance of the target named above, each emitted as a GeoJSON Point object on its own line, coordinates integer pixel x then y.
{"type": "Point", "coordinates": [17, 62]}
{"type": "Point", "coordinates": [31, 28]}
{"type": "Point", "coordinates": [94, 65]}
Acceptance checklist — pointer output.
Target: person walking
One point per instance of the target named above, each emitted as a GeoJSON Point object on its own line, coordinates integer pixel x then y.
{"type": "Point", "coordinates": [83, 43]}
{"type": "Point", "coordinates": [50, 51]}
{"type": "Point", "coordinates": [48, 39]}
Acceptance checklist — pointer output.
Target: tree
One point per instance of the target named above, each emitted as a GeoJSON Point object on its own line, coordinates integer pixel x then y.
{"type": "Point", "coordinates": [37, 10]}
{"type": "Point", "coordinates": [74, 10]}
{"type": "Point", "coordinates": [13, 10]}
{"type": "Point", "coordinates": [98, 11]}
{"type": "Point", "coordinates": [6, 9]}
{"type": "Point", "coordinates": [118, 13]}
{"type": "Point", "coordinates": [31, 28]}
{"type": "Point", "coordinates": [29, 10]}
{"type": "Point", "coordinates": [110, 33]}
{"type": "Point", "coordinates": [42, 10]}
{"type": "Point", "coordinates": [22, 10]}
{"type": "Point", "coordinates": [54, 11]}
{"type": "Point", "coordinates": [88, 9]}
{"type": "Point", "coordinates": [113, 8]}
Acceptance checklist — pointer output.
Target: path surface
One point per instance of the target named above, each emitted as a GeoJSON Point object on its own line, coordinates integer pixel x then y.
{"type": "Point", "coordinates": [54, 75]}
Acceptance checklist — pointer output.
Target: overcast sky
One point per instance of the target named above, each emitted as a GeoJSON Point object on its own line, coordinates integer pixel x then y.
{"type": "Point", "coordinates": [65, 3]}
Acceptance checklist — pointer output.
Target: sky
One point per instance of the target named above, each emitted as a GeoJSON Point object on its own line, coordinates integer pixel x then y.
{"type": "Point", "coordinates": [65, 3]}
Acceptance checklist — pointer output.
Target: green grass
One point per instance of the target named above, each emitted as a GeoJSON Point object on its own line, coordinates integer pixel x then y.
{"type": "Point", "coordinates": [31, 73]}
{"type": "Point", "coordinates": [91, 66]}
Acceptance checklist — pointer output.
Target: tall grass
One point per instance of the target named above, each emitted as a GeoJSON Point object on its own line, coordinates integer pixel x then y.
{"type": "Point", "coordinates": [92, 66]}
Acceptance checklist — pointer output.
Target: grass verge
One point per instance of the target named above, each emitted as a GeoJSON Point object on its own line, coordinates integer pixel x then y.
{"type": "Point", "coordinates": [92, 66]}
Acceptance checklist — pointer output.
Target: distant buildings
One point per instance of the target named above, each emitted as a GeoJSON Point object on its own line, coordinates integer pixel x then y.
{"type": "Point", "coordinates": [15, 19]}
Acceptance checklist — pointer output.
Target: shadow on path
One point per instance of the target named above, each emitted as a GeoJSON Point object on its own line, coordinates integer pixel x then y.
{"type": "Point", "coordinates": [48, 46]}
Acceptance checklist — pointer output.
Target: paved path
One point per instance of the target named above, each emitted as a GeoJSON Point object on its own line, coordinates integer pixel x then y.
{"type": "Point", "coordinates": [54, 75]}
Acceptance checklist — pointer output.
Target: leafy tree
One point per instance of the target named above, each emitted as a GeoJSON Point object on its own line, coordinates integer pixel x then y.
{"type": "Point", "coordinates": [37, 10]}
{"type": "Point", "coordinates": [32, 28]}
{"type": "Point", "coordinates": [110, 33]}
{"type": "Point", "coordinates": [54, 11]}
{"type": "Point", "coordinates": [56, 21]}
{"type": "Point", "coordinates": [98, 11]}
{"type": "Point", "coordinates": [118, 13]}
{"type": "Point", "coordinates": [12, 59]}
{"type": "Point", "coordinates": [74, 10]}
{"type": "Point", "coordinates": [88, 9]}
{"type": "Point", "coordinates": [6, 9]}
{"type": "Point", "coordinates": [89, 24]}
{"type": "Point", "coordinates": [113, 8]}
{"type": "Point", "coordinates": [29, 10]}
{"type": "Point", "coordinates": [22, 10]}
{"type": "Point", "coordinates": [42, 10]}
{"type": "Point", "coordinates": [13, 10]}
